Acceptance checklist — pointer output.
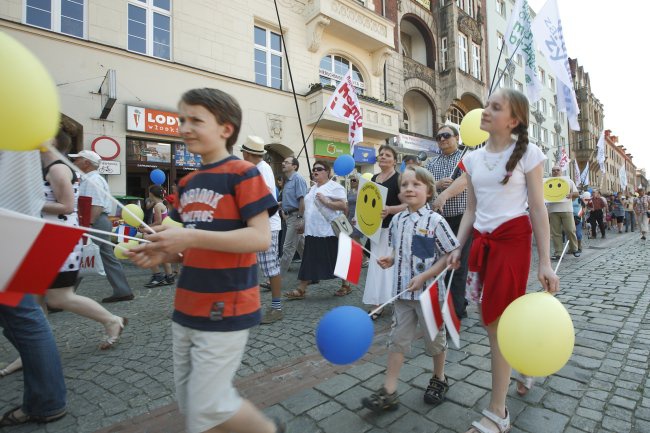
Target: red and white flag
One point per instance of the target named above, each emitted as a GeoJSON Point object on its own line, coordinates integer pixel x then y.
{"type": "Point", "coordinates": [430, 303]}
{"type": "Point", "coordinates": [344, 104]}
{"type": "Point", "coordinates": [451, 320]}
{"type": "Point", "coordinates": [32, 254]}
{"type": "Point", "coordinates": [348, 259]}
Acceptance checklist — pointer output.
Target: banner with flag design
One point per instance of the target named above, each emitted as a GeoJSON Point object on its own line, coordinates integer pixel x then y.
{"type": "Point", "coordinates": [344, 104]}
{"type": "Point", "coordinates": [430, 303]}
{"type": "Point", "coordinates": [451, 319]}
{"type": "Point", "coordinates": [34, 251]}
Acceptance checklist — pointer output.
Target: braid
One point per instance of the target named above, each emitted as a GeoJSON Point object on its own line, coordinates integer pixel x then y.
{"type": "Point", "coordinates": [520, 148]}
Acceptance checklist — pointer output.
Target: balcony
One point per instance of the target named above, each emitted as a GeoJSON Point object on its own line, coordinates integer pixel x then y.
{"type": "Point", "coordinates": [413, 69]}
{"type": "Point", "coordinates": [380, 120]}
{"type": "Point", "coordinates": [350, 21]}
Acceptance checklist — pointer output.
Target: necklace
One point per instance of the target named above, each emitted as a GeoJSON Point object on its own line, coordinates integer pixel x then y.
{"type": "Point", "coordinates": [489, 166]}
{"type": "Point", "coordinates": [384, 178]}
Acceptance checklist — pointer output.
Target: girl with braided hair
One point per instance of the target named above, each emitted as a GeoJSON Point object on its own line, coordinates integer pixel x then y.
{"type": "Point", "coordinates": [505, 179]}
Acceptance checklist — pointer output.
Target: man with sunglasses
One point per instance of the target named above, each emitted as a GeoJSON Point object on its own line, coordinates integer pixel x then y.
{"type": "Point", "coordinates": [451, 186]}
{"type": "Point", "coordinates": [293, 206]}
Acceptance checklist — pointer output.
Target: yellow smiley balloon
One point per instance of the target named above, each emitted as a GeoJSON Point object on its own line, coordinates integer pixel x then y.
{"type": "Point", "coordinates": [555, 189]}
{"type": "Point", "coordinates": [369, 207]}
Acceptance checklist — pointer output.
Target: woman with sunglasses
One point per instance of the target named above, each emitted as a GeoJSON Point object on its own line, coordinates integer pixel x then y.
{"type": "Point", "coordinates": [379, 282]}
{"type": "Point", "coordinates": [325, 201]}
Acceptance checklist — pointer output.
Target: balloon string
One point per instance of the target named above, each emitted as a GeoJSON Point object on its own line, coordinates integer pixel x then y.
{"type": "Point", "coordinates": [562, 256]}
{"type": "Point", "coordinates": [401, 293]}
{"type": "Point", "coordinates": [104, 241]}
{"type": "Point", "coordinates": [67, 162]}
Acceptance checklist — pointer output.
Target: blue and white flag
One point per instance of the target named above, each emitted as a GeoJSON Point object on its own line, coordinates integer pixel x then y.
{"type": "Point", "coordinates": [519, 30]}
{"type": "Point", "coordinates": [622, 177]}
{"type": "Point", "coordinates": [584, 177]}
{"type": "Point", "coordinates": [601, 151]}
{"type": "Point", "coordinates": [547, 29]}
{"type": "Point", "coordinates": [577, 171]}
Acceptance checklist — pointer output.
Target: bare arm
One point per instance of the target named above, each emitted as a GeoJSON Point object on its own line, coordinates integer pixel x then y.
{"type": "Point", "coordinates": [466, 225]}
{"type": "Point", "coordinates": [418, 281]}
{"type": "Point", "coordinates": [457, 187]}
{"type": "Point", "coordinates": [60, 178]}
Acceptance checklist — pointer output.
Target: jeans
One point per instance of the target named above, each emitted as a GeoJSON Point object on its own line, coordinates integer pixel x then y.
{"type": "Point", "coordinates": [596, 218]}
{"type": "Point", "coordinates": [26, 327]}
{"type": "Point", "coordinates": [293, 241]}
{"type": "Point", "coordinates": [459, 282]}
{"type": "Point", "coordinates": [629, 220]}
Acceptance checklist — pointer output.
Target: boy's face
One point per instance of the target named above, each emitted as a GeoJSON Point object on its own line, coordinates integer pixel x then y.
{"type": "Point", "coordinates": [413, 191]}
{"type": "Point", "coordinates": [201, 132]}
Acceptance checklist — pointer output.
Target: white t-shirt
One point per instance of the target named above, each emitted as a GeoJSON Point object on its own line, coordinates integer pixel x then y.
{"type": "Point", "coordinates": [565, 205]}
{"type": "Point", "coordinates": [267, 173]}
{"type": "Point", "coordinates": [95, 186]}
{"type": "Point", "coordinates": [497, 203]}
{"type": "Point", "coordinates": [315, 223]}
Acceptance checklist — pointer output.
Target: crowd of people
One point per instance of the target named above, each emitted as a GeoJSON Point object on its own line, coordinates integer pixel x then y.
{"type": "Point", "coordinates": [238, 220]}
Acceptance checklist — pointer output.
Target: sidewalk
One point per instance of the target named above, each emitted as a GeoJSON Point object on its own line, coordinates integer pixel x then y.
{"type": "Point", "coordinates": [602, 388]}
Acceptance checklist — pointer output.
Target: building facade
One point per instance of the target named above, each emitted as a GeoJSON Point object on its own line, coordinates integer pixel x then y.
{"type": "Point", "coordinates": [620, 171]}
{"type": "Point", "coordinates": [548, 128]}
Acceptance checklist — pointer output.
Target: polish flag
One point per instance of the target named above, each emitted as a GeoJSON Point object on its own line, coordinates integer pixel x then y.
{"type": "Point", "coordinates": [451, 320]}
{"type": "Point", "coordinates": [125, 230]}
{"type": "Point", "coordinates": [33, 252]}
{"type": "Point", "coordinates": [431, 310]}
{"type": "Point", "coordinates": [348, 259]}
{"type": "Point", "coordinates": [461, 166]}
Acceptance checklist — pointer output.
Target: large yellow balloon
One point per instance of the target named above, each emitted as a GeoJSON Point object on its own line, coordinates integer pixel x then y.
{"type": "Point", "coordinates": [536, 334]}
{"type": "Point", "coordinates": [137, 210]}
{"type": "Point", "coordinates": [119, 252]}
{"type": "Point", "coordinates": [29, 103]}
{"type": "Point", "coordinates": [470, 129]}
{"type": "Point", "coordinates": [168, 221]}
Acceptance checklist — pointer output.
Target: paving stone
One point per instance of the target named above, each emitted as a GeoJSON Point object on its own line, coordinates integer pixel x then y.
{"type": "Point", "coordinates": [641, 426]}
{"type": "Point", "coordinates": [365, 371]}
{"type": "Point", "coordinates": [453, 416]}
{"type": "Point", "coordinates": [337, 385]}
{"type": "Point", "coordinates": [414, 400]}
{"type": "Point", "coordinates": [566, 386]}
{"type": "Point", "coordinates": [623, 402]}
{"type": "Point", "coordinates": [592, 403]}
{"type": "Point", "coordinates": [618, 412]}
{"type": "Point", "coordinates": [413, 424]}
{"type": "Point", "coordinates": [304, 424]}
{"type": "Point", "coordinates": [540, 420]}
{"type": "Point", "coordinates": [351, 398]}
{"type": "Point", "coordinates": [324, 410]}
{"type": "Point", "coordinates": [589, 414]}
{"type": "Point", "coordinates": [616, 425]}
{"type": "Point", "coordinates": [465, 394]}
{"type": "Point", "coordinates": [561, 403]}
{"type": "Point", "coordinates": [304, 401]}
{"type": "Point", "coordinates": [480, 378]}
{"type": "Point", "coordinates": [458, 371]}
{"type": "Point", "coordinates": [344, 421]}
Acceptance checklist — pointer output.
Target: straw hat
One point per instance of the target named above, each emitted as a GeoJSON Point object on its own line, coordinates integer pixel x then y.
{"type": "Point", "coordinates": [253, 145]}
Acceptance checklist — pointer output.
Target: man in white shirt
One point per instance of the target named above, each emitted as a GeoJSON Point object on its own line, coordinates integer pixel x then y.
{"type": "Point", "coordinates": [93, 185]}
{"type": "Point", "coordinates": [253, 152]}
{"type": "Point", "coordinates": [560, 215]}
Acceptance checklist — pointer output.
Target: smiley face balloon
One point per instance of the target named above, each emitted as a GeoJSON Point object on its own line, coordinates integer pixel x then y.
{"type": "Point", "coordinates": [555, 189]}
{"type": "Point", "coordinates": [369, 207]}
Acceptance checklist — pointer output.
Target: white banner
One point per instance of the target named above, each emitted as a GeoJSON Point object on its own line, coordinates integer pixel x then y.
{"type": "Point", "coordinates": [519, 29]}
{"type": "Point", "coordinates": [547, 29]}
{"type": "Point", "coordinates": [564, 160]}
{"type": "Point", "coordinates": [577, 172]}
{"type": "Point", "coordinates": [622, 177]}
{"type": "Point", "coordinates": [584, 177]}
{"type": "Point", "coordinates": [344, 104]}
{"type": "Point", "coordinates": [601, 151]}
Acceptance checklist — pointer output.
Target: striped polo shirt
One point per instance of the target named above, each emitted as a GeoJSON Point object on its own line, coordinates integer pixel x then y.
{"type": "Point", "coordinates": [218, 291]}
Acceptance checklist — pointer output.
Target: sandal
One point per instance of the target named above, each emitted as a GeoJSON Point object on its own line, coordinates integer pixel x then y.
{"type": "Point", "coordinates": [112, 340]}
{"type": "Point", "coordinates": [524, 384]}
{"type": "Point", "coordinates": [435, 392]}
{"type": "Point", "coordinates": [503, 424]}
{"type": "Point", "coordinates": [376, 315]}
{"type": "Point", "coordinates": [344, 290]}
{"type": "Point", "coordinates": [12, 419]}
{"type": "Point", "coordinates": [381, 401]}
{"type": "Point", "coordinates": [295, 295]}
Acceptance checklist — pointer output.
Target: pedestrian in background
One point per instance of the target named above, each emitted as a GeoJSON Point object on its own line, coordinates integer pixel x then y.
{"type": "Point", "coordinates": [628, 205]}
{"type": "Point", "coordinates": [618, 212]}
{"type": "Point", "coordinates": [641, 207]}
{"type": "Point", "coordinates": [598, 209]}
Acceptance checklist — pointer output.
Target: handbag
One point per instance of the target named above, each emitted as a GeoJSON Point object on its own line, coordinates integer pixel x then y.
{"type": "Point", "coordinates": [91, 260]}
{"type": "Point", "coordinates": [338, 224]}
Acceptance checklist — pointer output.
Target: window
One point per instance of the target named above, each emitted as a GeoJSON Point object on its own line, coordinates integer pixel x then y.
{"type": "Point", "coordinates": [501, 7]}
{"type": "Point", "coordinates": [476, 61]}
{"type": "Point", "coordinates": [519, 86]}
{"type": "Point", "coordinates": [501, 40]}
{"type": "Point", "coordinates": [63, 16]}
{"type": "Point", "coordinates": [333, 69]}
{"type": "Point", "coordinates": [405, 122]}
{"type": "Point", "coordinates": [542, 76]}
{"type": "Point", "coordinates": [555, 139]}
{"type": "Point", "coordinates": [551, 83]}
{"type": "Point", "coordinates": [444, 54]}
{"type": "Point", "coordinates": [463, 62]}
{"type": "Point", "coordinates": [149, 28]}
{"type": "Point", "coordinates": [535, 130]}
{"type": "Point", "coordinates": [553, 112]}
{"type": "Point", "coordinates": [560, 116]}
{"type": "Point", "coordinates": [543, 106]}
{"type": "Point", "coordinates": [268, 58]}
{"type": "Point", "coordinates": [519, 59]}
{"type": "Point", "coordinates": [544, 137]}
{"type": "Point", "coordinates": [455, 115]}
{"type": "Point", "coordinates": [469, 7]}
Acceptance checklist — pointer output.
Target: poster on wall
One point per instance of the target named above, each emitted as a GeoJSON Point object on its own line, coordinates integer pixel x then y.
{"type": "Point", "coordinates": [148, 151]}
{"type": "Point", "coordinates": [184, 158]}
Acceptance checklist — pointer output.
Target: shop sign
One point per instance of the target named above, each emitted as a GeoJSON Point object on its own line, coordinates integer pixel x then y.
{"type": "Point", "coordinates": [151, 121]}
{"type": "Point", "coordinates": [330, 149]}
{"type": "Point", "coordinates": [184, 158]}
{"type": "Point", "coordinates": [338, 77]}
{"type": "Point", "coordinates": [417, 143]}
{"type": "Point", "coordinates": [364, 155]}
{"type": "Point", "coordinates": [110, 167]}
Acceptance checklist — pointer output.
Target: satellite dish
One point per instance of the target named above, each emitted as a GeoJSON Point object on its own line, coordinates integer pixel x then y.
{"type": "Point", "coordinates": [422, 156]}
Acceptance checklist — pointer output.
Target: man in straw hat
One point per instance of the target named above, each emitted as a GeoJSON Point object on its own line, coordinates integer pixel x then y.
{"type": "Point", "coordinates": [253, 152]}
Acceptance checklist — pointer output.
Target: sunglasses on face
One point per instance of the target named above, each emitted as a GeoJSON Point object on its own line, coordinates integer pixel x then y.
{"type": "Point", "coordinates": [444, 136]}
{"type": "Point", "coordinates": [317, 169]}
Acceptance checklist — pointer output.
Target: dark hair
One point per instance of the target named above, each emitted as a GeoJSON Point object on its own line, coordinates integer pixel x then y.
{"type": "Point", "coordinates": [62, 141]}
{"type": "Point", "coordinates": [389, 148]}
{"type": "Point", "coordinates": [325, 165]}
{"type": "Point", "coordinates": [453, 129]}
{"type": "Point", "coordinates": [294, 161]}
{"type": "Point", "coordinates": [224, 107]}
{"type": "Point", "coordinates": [408, 158]}
{"type": "Point", "coordinates": [519, 110]}
{"type": "Point", "coordinates": [157, 191]}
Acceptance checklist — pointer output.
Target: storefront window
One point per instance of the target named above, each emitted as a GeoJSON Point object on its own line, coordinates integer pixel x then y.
{"type": "Point", "coordinates": [143, 151]}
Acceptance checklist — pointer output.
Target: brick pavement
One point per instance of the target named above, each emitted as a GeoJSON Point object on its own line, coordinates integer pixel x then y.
{"type": "Point", "coordinates": [602, 388]}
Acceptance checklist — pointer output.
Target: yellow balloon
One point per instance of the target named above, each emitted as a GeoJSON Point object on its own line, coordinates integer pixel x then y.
{"type": "Point", "coordinates": [369, 207]}
{"type": "Point", "coordinates": [555, 189]}
{"type": "Point", "coordinates": [119, 252]}
{"type": "Point", "coordinates": [137, 210]}
{"type": "Point", "coordinates": [29, 111]}
{"type": "Point", "coordinates": [168, 221]}
{"type": "Point", "coordinates": [470, 129]}
{"type": "Point", "coordinates": [367, 176]}
{"type": "Point", "coordinates": [536, 334]}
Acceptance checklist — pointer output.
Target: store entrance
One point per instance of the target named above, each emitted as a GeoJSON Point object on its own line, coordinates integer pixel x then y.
{"type": "Point", "coordinates": [138, 181]}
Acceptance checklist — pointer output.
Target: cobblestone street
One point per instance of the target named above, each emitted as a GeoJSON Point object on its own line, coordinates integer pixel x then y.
{"type": "Point", "coordinates": [603, 388]}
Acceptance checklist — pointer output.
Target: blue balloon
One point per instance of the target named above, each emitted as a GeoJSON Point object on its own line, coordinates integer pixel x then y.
{"type": "Point", "coordinates": [157, 176]}
{"type": "Point", "coordinates": [344, 335]}
{"type": "Point", "coordinates": [344, 165]}
{"type": "Point", "coordinates": [590, 190]}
